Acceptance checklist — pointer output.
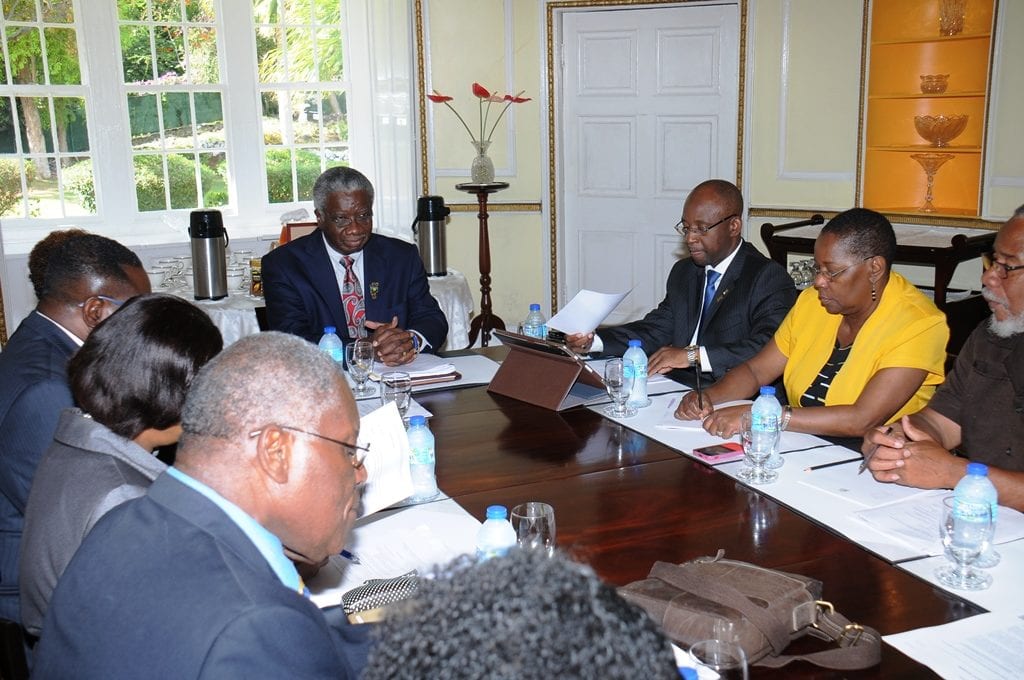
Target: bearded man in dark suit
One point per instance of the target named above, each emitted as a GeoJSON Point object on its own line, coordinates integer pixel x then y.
{"type": "Point", "coordinates": [346, 276]}
{"type": "Point", "coordinates": [722, 303]}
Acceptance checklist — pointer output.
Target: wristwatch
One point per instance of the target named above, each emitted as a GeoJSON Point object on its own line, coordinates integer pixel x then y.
{"type": "Point", "coordinates": [693, 354]}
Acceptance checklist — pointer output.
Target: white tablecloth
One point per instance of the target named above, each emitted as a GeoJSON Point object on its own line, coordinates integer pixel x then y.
{"type": "Point", "coordinates": [235, 315]}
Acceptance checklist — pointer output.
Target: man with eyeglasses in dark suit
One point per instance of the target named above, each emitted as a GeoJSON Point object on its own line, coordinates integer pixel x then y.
{"type": "Point", "coordinates": [721, 305]}
{"type": "Point", "coordinates": [346, 276]}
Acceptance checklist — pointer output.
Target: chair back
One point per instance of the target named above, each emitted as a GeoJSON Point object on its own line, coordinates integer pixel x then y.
{"type": "Point", "coordinates": [293, 230]}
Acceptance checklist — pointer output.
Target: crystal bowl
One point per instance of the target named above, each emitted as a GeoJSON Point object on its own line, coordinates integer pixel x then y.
{"type": "Point", "coordinates": [934, 84]}
{"type": "Point", "coordinates": [940, 130]}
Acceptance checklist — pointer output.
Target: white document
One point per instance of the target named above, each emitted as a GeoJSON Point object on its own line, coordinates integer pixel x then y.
{"type": "Point", "coordinates": [395, 542]}
{"type": "Point", "coordinates": [982, 647]}
{"type": "Point", "coordinates": [862, 489]}
{"type": "Point", "coordinates": [916, 521]}
{"type": "Point", "coordinates": [368, 406]}
{"type": "Point", "coordinates": [585, 311]}
{"type": "Point", "coordinates": [668, 420]}
{"type": "Point", "coordinates": [387, 461]}
{"type": "Point", "coordinates": [422, 366]}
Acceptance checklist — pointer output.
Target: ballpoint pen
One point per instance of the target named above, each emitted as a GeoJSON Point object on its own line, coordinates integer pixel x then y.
{"type": "Point", "coordinates": [828, 465]}
{"type": "Point", "coordinates": [867, 456]}
{"type": "Point", "coordinates": [350, 557]}
{"type": "Point", "coordinates": [700, 392]}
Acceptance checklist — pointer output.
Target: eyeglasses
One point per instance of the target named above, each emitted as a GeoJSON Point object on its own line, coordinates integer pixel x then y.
{"type": "Point", "coordinates": [832, 276]}
{"type": "Point", "coordinates": [342, 221]}
{"type": "Point", "coordinates": [989, 261]}
{"type": "Point", "coordinates": [357, 454]}
{"type": "Point", "coordinates": [685, 230]}
{"type": "Point", "coordinates": [113, 301]}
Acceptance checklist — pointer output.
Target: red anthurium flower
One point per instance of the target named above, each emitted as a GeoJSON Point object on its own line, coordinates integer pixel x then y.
{"type": "Point", "coordinates": [486, 129]}
{"type": "Point", "coordinates": [480, 91]}
{"type": "Point", "coordinates": [516, 100]}
{"type": "Point", "coordinates": [438, 98]}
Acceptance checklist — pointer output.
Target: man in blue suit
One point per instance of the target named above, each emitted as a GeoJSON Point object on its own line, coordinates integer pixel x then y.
{"type": "Point", "coordinates": [191, 580]}
{"type": "Point", "coordinates": [85, 279]}
{"type": "Point", "coordinates": [344, 275]}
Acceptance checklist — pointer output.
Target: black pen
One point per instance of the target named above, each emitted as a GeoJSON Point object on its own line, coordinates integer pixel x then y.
{"type": "Point", "coordinates": [867, 456]}
{"type": "Point", "coordinates": [350, 557]}
{"type": "Point", "coordinates": [700, 393]}
{"type": "Point", "coordinates": [828, 465]}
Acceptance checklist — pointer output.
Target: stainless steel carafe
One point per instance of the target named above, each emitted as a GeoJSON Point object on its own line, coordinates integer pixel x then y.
{"type": "Point", "coordinates": [209, 254]}
{"type": "Point", "coordinates": [429, 230]}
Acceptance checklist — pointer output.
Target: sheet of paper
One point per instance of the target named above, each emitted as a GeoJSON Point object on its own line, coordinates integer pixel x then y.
{"type": "Point", "coordinates": [387, 462]}
{"type": "Point", "coordinates": [423, 365]}
{"type": "Point", "coordinates": [843, 481]}
{"type": "Point", "coordinates": [1005, 596]}
{"type": "Point", "coordinates": [395, 542]}
{"type": "Point", "coordinates": [585, 311]}
{"type": "Point", "coordinates": [983, 647]}
{"type": "Point", "coordinates": [915, 521]}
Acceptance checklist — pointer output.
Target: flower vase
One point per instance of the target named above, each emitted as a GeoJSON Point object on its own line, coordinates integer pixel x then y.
{"type": "Point", "coordinates": [482, 169]}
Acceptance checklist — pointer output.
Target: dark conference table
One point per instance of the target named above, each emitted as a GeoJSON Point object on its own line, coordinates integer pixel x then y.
{"type": "Point", "coordinates": [623, 501]}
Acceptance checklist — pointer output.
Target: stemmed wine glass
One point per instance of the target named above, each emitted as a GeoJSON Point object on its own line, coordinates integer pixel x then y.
{"type": "Point", "coordinates": [965, 532]}
{"type": "Point", "coordinates": [618, 380]}
{"type": "Point", "coordinates": [359, 357]}
{"type": "Point", "coordinates": [756, 450]}
{"type": "Point", "coordinates": [396, 386]}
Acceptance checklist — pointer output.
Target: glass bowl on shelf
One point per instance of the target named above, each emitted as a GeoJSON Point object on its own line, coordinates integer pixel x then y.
{"type": "Point", "coordinates": [934, 84]}
{"type": "Point", "coordinates": [940, 130]}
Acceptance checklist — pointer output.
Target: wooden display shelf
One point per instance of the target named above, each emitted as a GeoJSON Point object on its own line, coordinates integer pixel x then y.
{"type": "Point", "coordinates": [944, 95]}
{"type": "Point", "coordinates": [927, 148]}
{"type": "Point", "coordinates": [928, 39]}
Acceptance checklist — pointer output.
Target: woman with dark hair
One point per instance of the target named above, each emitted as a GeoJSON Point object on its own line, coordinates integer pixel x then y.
{"type": "Point", "coordinates": [861, 347]}
{"type": "Point", "coordinates": [129, 381]}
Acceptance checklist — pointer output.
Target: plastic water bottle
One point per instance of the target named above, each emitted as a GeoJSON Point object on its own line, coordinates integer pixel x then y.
{"type": "Point", "coordinates": [765, 420]}
{"type": "Point", "coordinates": [421, 460]}
{"type": "Point", "coordinates": [638, 358]}
{"type": "Point", "coordinates": [976, 487]}
{"type": "Point", "coordinates": [331, 344]}
{"type": "Point", "coordinates": [496, 536]}
{"type": "Point", "coordinates": [535, 325]}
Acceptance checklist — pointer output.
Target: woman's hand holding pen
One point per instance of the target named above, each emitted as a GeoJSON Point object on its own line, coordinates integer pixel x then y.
{"type": "Point", "coordinates": [693, 406]}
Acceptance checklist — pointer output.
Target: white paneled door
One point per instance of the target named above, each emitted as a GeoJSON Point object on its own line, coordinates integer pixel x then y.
{"type": "Point", "coordinates": [649, 106]}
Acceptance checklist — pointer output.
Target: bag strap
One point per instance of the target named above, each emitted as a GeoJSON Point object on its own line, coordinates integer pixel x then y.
{"type": "Point", "coordinates": [859, 646]}
{"type": "Point", "coordinates": [777, 632]}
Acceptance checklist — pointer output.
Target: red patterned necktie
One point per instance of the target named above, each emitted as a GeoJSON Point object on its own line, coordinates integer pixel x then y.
{"type": "Point", "coordinates": [352, 300]}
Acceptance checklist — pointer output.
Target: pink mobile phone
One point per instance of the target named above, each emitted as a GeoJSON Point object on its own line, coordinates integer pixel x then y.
{"type": "Point", "coordinates": [720, 453]}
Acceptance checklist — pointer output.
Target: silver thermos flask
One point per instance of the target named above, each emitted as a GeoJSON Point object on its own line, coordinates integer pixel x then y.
{"type": "Point", "coordinates": [209, 254]}
{"type": "Point", "coordinates": [429, 230]}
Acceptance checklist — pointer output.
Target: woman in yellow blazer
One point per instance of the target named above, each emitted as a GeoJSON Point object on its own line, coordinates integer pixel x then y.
{"type": "Point", "coordinates": [861, 348]}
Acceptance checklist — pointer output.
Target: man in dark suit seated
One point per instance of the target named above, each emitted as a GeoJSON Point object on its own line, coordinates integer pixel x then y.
{"type": "Point", "coordinates": [344, 275]}
{"type": "Point", "coordinates": [722, 304]}
{"type": "Point", "coordinates": [85, 279]}
{"type": "Point", "coordinates": [191, 580]}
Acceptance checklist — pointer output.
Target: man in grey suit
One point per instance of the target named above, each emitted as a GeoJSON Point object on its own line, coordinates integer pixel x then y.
{"type": "Point", "coordinates": [722, 304]}
{"type": "Point", "coordinates": [191, 580]}
{"type": "Point", "coordinates": [85, 280]}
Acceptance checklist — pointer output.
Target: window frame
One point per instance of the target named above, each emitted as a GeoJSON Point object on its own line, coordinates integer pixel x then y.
{"type": "Point", "coordinates": [378, 37]}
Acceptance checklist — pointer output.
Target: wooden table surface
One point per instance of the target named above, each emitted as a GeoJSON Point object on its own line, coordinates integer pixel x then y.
{"type": "Point", "coordinates": [623, 501]}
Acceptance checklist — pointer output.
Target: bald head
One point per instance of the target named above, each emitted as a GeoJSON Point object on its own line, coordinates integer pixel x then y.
{"type": "Point", "coordinates": [262, 379]}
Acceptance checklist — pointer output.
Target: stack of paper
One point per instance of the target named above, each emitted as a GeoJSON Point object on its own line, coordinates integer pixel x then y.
{"type": "Point", "coordinates": [423, 368]}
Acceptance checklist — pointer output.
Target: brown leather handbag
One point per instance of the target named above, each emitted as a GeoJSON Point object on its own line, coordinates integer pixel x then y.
{"type": "Point", "coordinates": [767, 609]}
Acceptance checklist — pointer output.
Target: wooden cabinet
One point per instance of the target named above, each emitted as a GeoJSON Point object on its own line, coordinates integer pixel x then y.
{"type": "Point", "coordinates": [905, 44]}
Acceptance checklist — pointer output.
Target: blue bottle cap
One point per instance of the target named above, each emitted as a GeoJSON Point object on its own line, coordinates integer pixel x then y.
{"type": "Point", "coordinates": [534, 307]}
{"type": "Point", "coordinates": [979, 469]}
{"type": "Point", "coordinates": [768, 389]}
{"type": "Point", "coordinates": [496, 512]}
{"type": "Point", "coordinates": [688, 673]}
{"type": "Point", "coordinates": [330, 329]}
{"type": "Point", "coordinates": [417, 420]}
{"type": "Point", "coordinates": [635, 343]}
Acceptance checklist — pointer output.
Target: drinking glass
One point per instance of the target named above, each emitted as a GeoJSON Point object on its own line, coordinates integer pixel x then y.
{"type": "Point", "coordinates": [725, 658]}
{"type": "Point", "coordinates": [965, 531]}
{"type": "Point", "coordinates": [172, 268]}
{"type": "Point", "coordinates": [756, 451]}
{"type": "Point", "coordinates": [359, 358]}
{"type": "Point", "coordinates": [396, 386]}
{"type": "Point", "coordinates": [618, 380]}
{"type": "Point", "coordinates": [535, 526]}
